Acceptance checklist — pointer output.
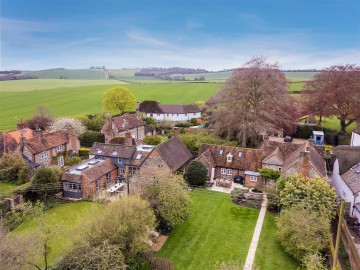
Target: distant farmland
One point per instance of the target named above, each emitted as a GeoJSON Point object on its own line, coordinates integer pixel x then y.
{"type": "Point", "coordinates": [72, 101]}
{"type": "Point", "coordinates": [71, 74]}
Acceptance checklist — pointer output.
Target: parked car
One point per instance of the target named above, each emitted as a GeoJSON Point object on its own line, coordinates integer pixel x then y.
{"type": "Point", "coordinates": [288, 139]}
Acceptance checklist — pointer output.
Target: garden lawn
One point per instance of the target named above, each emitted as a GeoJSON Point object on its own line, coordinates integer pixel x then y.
{"type": "Point", "coordinates": [68, 217]}
{"type": "Point", "coordinates": [216, 231]}
{"type": "Point", "coordinates": [7, 187]}
{"type": "Point", "coordinates": [269, 253]}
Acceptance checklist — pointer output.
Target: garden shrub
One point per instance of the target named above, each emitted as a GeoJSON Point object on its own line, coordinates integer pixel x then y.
{"type": "Point", "coordinates": [183, 124]}
{"type": "Point", "coordinates": [73, 161]}
{"type": "Point", "coordinates": [152, 140]}
{"type": "Point", "coordinates": [10, 166]}
{"type": "Point", "coordinates": [118, 140]}
{"type": "Point", "coordinates": [84, 152]}
{"type": "Point", "coordinates": [89, 137]}
{"type": "Point", "coordinates": [150, 121]}
{"type": "Point", "coordinates": [197, 173]}
{"type": "Point", "coordinates": [193, 121]}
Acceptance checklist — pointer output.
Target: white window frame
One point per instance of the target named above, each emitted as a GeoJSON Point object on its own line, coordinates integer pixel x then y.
{"type": "Point", "coordinates": [229, 159]}
{"type": "Point", "coordinates": [43, 154]}
{"type": "Point", "coordinates": [46, 164]}
{"type": "Point", "coordinates": [223, 171]}
{"type": "Point", "coordinates": [59, 148]}
{"type": "Point", "coordinates": [228, 171]}
{"type": "Point", "coordinates": [253, 178]}
{"type": "Point", "coordinates": [61, 161]}
{"type": "Point", "coordinates": [122, 171]}
{"type": "Point", "coordinates": [120, 160]}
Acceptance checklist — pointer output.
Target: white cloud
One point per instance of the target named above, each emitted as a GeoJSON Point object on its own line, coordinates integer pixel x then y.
{"type": "Point", "coordinates": [141, 38]}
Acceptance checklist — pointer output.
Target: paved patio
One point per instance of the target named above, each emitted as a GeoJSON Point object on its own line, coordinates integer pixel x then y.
{"type": "Point", "coordinates": [226, 190]}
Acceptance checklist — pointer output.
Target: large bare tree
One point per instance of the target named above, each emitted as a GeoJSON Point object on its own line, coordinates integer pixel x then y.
{"type": "Point", "coordinates": [254, 100]}
{"type": "Point", "coordinates": [335, 92]}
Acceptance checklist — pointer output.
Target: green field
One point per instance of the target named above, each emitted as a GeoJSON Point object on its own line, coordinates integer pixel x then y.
{"type": "Point", "coordinates": [269, 253]}
{"type": "Point", "coordinates": [8, 187]}
{"type": "Point", "coordinates": [216, 231]}
{"type": "Point", "coordinates": [77, 74]}
{"type": "Point", "coordinates": [45, 84]}
{"type": "Point", "coordinates": [72, 101]}
{"type": "Point", "coordinates": [67, 217]}
{"type": "Point", "coordinates": [300, 76]}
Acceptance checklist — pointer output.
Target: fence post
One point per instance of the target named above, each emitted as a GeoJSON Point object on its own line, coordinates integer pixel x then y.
{"type": "Point", "coordinates": [338, 233]}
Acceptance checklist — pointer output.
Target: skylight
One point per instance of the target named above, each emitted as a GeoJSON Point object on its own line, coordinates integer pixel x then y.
{"type": "Point", "coordinates": [114, 153]}
{"type": "Point", "coordinates": [93, 162]}
{"type": "Point", "coordinates": [138, 156]}
{"type": "Point", "coordinates": [240, 154]}
{"type": "Point", "coordinates": [82, 167]}
{"type": "Point", "coordinates": [221, 151]}
{"type": "Point", "coordinates": [99, 151]}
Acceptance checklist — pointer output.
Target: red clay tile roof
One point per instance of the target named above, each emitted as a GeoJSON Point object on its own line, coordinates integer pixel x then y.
{"type": "Point", "coordinates": [112, 150]}
{"type": "Point", "coordinates": [208, 157]}
{"type": "Point", "coordinates": [174, 153]}
{"type": "Point", "coordinates": [47, 141]}
{"type": "Point", "coordinates": [27, 133]}
{"type": "Point", "coordinates": [139, 161]}
{"type": "Point", "coordinates": [314, 157]}
{"type": "Point", "coordinates": [249, 159]}
{"type": "Point", "coordinates": [99, 169]}
{"type": "Point", "coordinates": [127, 121]}
{"type": "Point", "coordinates": [7, 144]}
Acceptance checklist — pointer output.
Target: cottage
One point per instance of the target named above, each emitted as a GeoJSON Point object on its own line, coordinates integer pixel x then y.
{"type": "Point", "coordinates": [88, 178]}
{"type": "Point", "coordinates": [291, 158]}
{"type": "Point", "coordinates": [355, 137]}
{"type": "Point", "coordinates": [48, 148]}
{"type": "Point", "coordinates": [120, 155]}
{"type": "Point", "coordinates": [346, 176]}
{"type": "Point", "coordinates": [10, 140]}
{"type": "Point", "coordinates": [166, 112]}
{"type": "Point", "coordinates": [233, 163]}
{"type": "Point", "coordinates": [172, 155]}
{"type": "Point", "coordinates": [126, 123]}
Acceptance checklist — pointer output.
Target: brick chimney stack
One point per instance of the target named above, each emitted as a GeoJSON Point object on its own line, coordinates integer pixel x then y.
{"type": "Point", "coordinates": [20, 125]}
{"type": "Point", "coordinates": [128, 139]}
{"type": "Point", "coordinates": [304, 162]}
{"type": "Point", "coordinates": [37, 132]}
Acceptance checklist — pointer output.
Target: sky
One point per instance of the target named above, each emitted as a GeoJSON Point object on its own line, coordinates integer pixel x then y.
{"type": "Point", "coordinates": [214, 35]}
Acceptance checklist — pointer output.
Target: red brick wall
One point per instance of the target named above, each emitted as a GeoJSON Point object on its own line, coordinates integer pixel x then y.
{"type": "Point", "coordinates": [89, 186]}
{"type": "Point", "coordinates": [151, 164]}
{"type": "Point", "coordinates": [249, 183]}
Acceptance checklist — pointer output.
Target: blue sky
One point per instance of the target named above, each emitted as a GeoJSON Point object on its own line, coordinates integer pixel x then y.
{"type": "Point", "coordinates": [215, 35]}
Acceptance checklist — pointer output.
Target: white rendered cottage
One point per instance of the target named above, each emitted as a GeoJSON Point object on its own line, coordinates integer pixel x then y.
{"type": "Point", "coordinates": [167, 112]}
{"type": "Point", "coordinates": [355, 137]}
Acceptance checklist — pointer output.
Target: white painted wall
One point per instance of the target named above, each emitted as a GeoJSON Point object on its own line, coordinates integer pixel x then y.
{"type": "Point", "coordinates": [343, 191]}
{"type": "Point", "coordinates": [174, 116]}
{"type": "Point", "coordinates": [355, 139]}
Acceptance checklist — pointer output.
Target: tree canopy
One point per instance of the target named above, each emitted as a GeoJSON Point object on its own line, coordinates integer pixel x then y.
{"type": "Point", "coordinates": [335, 92]}
{"type": "Point", "coordinates": [119, 99]}
{"type": "Point", "coordinates": [253, 100]}
{"type": "Point", "coordinates": [67, 122]}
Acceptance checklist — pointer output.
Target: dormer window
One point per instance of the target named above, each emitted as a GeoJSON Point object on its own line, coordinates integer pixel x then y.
{"type": "Point", "coordinates": [229, 157]}
{"type": "Point", "coordinates": [112, 126]}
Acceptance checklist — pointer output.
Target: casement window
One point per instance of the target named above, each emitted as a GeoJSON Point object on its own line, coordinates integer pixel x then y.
{"type": "Point", "coordinates": [223, 171]}
{"type": "Point", "coordinates": [229, 172]}
{"type": "Point", "coordinates": [279, 169]}
{"type": "Point", "coordinates": [59, 148]}
{"type": "Point", "coordinates": [161, 166]}
{"type": "Point", "coordinates": [253, 178]}
{"type": "Point", "coordinates": [108, 178]}
{"type": "Point", "coordinates": [61, 161]}
{"type": "Point", "coordinates": [43, 154]}
{"type": "Point", "coordinates": [45, 164]}
{"type": "Point", "coordinates": [132, 170]}
{"type": "Point", "coordinates": [73, 187]}
{"type": "Point", "coordinates": [229, 158]}
{"type": "Point", "coordinates": [120, 160]}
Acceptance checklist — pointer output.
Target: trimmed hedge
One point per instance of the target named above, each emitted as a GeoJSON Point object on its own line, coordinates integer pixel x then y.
{"type": "Point", "coordinates": [84, 152]}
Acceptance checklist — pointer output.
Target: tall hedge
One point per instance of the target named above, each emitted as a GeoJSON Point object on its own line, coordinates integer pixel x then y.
{"type": "Point", "coordinates": [197, 173]}
{"type": "Point", "coordinates": [89, 137]}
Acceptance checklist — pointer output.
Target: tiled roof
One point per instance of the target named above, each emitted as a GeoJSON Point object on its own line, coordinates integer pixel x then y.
{"type": "Point", "coordinates": [352, 178]}
{"type": "Point", "coordinates": [127, 121]}
{"type": "Point", "coordinates": [46, 141]}
{"type": "Point", "coordinates": [285, 147]}
{"type": "Point", "coordinates": [208, 157]}
{"type": "Point", "coordinates": [149, 128]}
{"type": "Point", "coordinates": [27, 133]}
{"type": "Point", "coordinates": [347, 156]}
{"type": "Point", "coordinates": [174, 153]}
{"type": "Point", "coordinates": [243, 158]}
{"type": "Point", "coordinates": [112, 150]}
{"type": "Point", "coordinates": [357, 130]}
{"type": "Point", "coordinates": [314, 157]}
{"type": "Point", "coordinates": [99, 169]}
{"type": "Point", "coordinates": [155, 107]}
{"type": "Point", "coordinates": [138, 158]}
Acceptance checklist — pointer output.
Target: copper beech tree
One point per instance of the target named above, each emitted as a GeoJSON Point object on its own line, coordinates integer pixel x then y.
{"type": "Point", "coordinates": [254, 100]}
{"type": "Point", "coordinates": [334, 92]}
